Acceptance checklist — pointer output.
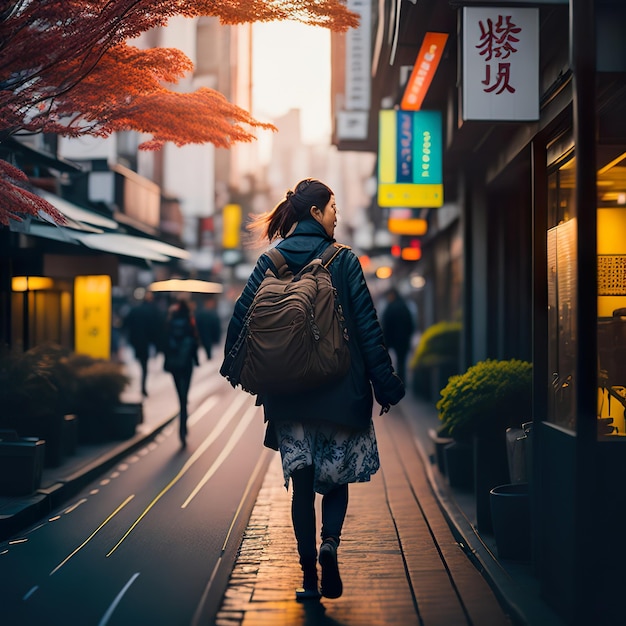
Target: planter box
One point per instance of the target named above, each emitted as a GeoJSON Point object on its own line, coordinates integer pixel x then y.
{"type": "Point", "coordinates": [491, 469]}
{"type": "Point", "coordinates": [124, 420]}
{"type": "Point", "coordinates": [21, 464]}
{"type": "Point", "coordinates": [50, 429]}
{"type": "Point", "coordinates": [459, 461]}
{"type": "Point", "coordinates": [439, 444]}
{"type": "Point", "coordinates": [510, 512]}
{"type": "Point", "coordinates": [70, 435]}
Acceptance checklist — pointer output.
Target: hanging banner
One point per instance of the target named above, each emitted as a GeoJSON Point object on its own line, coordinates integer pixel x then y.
{"type": "Point", "coordinates": [410, 159]}
{"type": "Point", "coordinates": [424, 69]}
{"type": "Point", "coordinates": [500, 63]}
{"type": "Point", "coordinates": [92, 316]}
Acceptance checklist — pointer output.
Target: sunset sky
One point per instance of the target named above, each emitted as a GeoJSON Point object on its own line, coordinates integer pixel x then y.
{"type": "Point", "coordinates": [292, 70]}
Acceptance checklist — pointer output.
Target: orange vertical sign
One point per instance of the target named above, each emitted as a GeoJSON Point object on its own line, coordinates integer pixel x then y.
{"type": "Point", "coordinates": [424, 69]}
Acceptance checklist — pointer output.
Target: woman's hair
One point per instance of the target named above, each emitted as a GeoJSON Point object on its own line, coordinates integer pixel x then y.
{"type": "Point", "coordinates": [180, 308]}
{"type": "Point", "coordinates": [294, 207]}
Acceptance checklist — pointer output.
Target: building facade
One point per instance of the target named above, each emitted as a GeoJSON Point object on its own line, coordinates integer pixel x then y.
{"type": "Point", "coordinates": [527, 252]}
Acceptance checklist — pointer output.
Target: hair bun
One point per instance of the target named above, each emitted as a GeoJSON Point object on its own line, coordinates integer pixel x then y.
{"type": "Point", "coordinates": [289, 194]}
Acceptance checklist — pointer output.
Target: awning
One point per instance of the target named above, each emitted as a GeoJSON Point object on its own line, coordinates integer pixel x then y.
{"type": "Point", "coordinates": [126, 245]}
{"type": "Point", "coordinates": [160, 247]}
{"type": "Point", "coordinates": [12, 146]}
{"type": "Point", "coordinates": [75, 212]}
{"type": "Point", "coordinates": [85, 227]}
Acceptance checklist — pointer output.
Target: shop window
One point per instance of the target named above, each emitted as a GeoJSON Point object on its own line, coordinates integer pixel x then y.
{"type": "Point", "coordinates": [41, 312]}
{"type": "Point", "coordinates": [562, 287]}
{"type": "Point", "coordinates": [611, 214]}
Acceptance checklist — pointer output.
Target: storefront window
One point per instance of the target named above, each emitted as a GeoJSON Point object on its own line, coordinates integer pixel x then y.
{"type": "Point", "coordinates": [611, 213]}
{"type": "Point", "coordinates": [562, 295]}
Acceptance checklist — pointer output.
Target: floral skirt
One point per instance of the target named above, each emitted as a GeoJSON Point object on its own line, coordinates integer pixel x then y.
{"type": "Point", "coordinates": [338, 455]}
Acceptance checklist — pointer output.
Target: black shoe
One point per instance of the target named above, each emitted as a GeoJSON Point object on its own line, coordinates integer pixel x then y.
{"type": "Point", "coordinates": [309, 590]}
{"type": "Point", "coordinates": [332, 587]}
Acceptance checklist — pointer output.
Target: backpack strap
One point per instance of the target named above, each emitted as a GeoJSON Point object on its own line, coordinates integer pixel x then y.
{"type": "Point", "coordinates": [277, 258]}
{"type": "Point", "coordinates": [328, 256]}
{"type": "Point", "coordinates": [282, 269]}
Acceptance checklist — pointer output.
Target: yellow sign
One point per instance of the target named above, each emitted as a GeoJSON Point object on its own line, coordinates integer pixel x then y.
{"type": "Point", "coordinates": [231, 226]}
{"type": "Point", "coordinates": [92, 316]}
{"type": "Point", "coordinates": [410, 172]}
{"type": "Point", "coordinates": [407, 226]}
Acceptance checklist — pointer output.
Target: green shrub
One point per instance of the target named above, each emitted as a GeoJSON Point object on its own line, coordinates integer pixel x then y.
{"type": "Point", "coordinates": [435, 359]}
{"type": "Point", "coordinates": [439, 343]}
{"type": "Point", "coordinates": [98, 384]}
{"type": "Point", "coordinates": [33, 384]}
{"type": "Point", "coordinates": [488, 398]}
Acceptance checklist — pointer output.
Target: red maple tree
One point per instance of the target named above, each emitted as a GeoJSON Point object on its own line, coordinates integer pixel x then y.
{"type": "Point", "coordinates": [66, 68]}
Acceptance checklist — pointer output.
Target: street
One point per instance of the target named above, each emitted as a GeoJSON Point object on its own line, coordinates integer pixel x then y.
{"type": "Point", "coordinates": [153, 540]}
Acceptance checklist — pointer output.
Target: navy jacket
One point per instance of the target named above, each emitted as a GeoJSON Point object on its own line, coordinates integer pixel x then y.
{"type": "Point", "coordinates": [348, 401]}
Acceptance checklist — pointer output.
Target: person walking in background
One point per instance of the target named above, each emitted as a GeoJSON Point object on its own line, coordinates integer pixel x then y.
{"type": "Point", "coordinates": [209, 325]}
{"type": "Point", "coordinates": [398, 328]}
{"type": "Point", "coordinates": [181, 355]}
{"type": "Point", "coordinates": [143, 327]}
{"type": "Point", "coordinates": [326, 435]}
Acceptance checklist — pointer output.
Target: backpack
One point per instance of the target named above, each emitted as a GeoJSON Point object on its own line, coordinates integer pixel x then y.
{"type": "Point", "coordinates": [293, 337]}
{"type": "Point", "coordinates": [180, 346]}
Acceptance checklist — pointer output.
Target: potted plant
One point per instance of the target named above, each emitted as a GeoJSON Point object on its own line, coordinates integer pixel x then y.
{"type": "Point", "coordinates": [435, 359]}
{"type": "Point", "coordinates": [478, 406]}
{"type": "Point", "coordinates": [35, 389]}
{"type": "Point", "coordinates": [99, 385]}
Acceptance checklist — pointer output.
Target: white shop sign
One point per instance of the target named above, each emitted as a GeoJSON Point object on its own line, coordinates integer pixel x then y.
{"type": "Point", "coordinates": [500, 63]}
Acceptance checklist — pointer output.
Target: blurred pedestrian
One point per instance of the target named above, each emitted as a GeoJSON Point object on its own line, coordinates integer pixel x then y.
{"type": "Point", "coordinates": [209, 325]}
{"type": "Point", "coordinates": [143, 327]}
{"type": "Point", "coordinates": [181, 354]}
{"type": "Point", "coordinates": [398, 328]}
{"type": "Point", "coordinates": [326, 435]}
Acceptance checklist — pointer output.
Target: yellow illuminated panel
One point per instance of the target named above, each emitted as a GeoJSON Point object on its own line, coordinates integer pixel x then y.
{"type": "Point", "coordinates": [231, 225]}
{"type": "Point", "coordinates": [31, 283]}
{"type": "Point", "coordinates": [92, 316]}
{"type": "Point", "coordinates": [387, 147]}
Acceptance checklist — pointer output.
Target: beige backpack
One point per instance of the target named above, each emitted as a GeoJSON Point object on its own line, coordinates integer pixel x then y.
{"type": "Point", "coordinates": [293, 337]}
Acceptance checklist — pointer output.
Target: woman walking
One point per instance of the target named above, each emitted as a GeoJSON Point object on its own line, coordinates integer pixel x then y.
{"type": "Point", "coordinates": [181, 354]}
{"type": "Point", "coordinates": [325, 436]}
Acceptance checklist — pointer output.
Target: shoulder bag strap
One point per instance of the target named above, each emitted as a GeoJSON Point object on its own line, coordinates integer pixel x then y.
{"type": "Point", "coordinates": [328, 256]}
{"type": "Point", "coordinates": [277, 258]}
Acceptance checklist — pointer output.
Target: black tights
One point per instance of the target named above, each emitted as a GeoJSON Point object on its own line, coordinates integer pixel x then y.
{"type": "Point", "coordinates": [182, 382]}
{"type": "Point", "coordinates": [334, 507]}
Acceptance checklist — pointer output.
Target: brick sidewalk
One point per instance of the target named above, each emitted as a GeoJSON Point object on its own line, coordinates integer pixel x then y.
{"type": "Point", "coordinates": [399, 561]}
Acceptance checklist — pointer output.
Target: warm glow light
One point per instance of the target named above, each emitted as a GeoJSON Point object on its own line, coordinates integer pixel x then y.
{"type": "Point", "coordinates": [417, 282]}
{"type": "Point", "coordinates": [365, 261]}
{"type": "Point", "coordinates": [411, 254]}
{"type": "Point", "coordinates": [31, 283]}
{"type": "Point", "coordinates": [412, 226]}
{"type": "Point", "coordinates": [613, 163]}
{"type": "Point", "coordinates": [384, 272]}
{"type": "Point", "coordinates": [186, 285]}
